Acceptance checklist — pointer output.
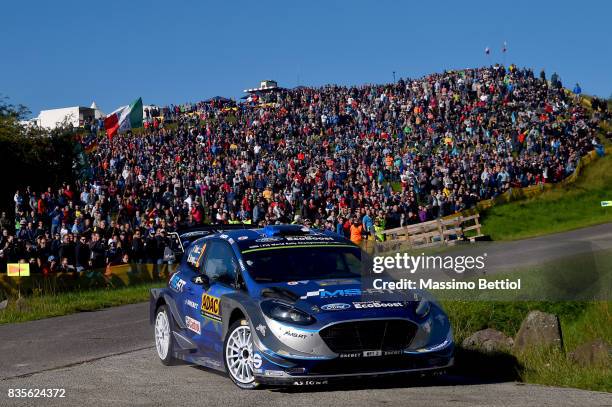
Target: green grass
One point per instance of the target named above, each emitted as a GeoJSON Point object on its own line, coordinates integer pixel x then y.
{"type": "Point", "coordinates": [560, 209]}
{"type": "Point", "coordinates": [580, 322]}
{"type": "Point", "coordinates": [53, 305]}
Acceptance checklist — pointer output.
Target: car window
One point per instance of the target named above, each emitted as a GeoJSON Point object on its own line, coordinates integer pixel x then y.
{"type": "Point", "coordinates": [220, 263]}
{"type": "Point", "coordinates": [303, 263]}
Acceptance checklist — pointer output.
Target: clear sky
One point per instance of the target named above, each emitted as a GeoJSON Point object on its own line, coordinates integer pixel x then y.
{"type": "Point", "coordinates": [65, 53]}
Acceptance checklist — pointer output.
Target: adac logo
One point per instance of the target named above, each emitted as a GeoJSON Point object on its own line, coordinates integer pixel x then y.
{"type": "Point", "coordinates": [335, 307]}
{"type": "Point", "coordinates": [211, 307]}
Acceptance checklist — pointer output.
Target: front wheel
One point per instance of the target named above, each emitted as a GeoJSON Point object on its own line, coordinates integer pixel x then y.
{"type": "Point", "coordinates": [238, 355]}
{"type": "Point", "coordinates": [163, 336]}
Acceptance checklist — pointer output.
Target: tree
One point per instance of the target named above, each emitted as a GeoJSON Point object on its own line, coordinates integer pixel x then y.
{"type": "Point", "coordinates": [31, 156]}
{"type": "Point", "coordinates": [10, 115]}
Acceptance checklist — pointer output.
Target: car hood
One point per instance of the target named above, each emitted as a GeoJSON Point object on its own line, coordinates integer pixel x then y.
{"type": "Point", "coordinates": [321, 297]}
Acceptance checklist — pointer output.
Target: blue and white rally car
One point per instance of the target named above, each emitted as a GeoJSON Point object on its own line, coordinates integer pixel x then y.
{"type": "Point", "coordinates": [285, 305]}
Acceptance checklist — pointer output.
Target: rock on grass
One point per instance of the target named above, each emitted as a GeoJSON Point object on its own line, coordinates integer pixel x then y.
{"type": "Point", "coordinates": [539, 330]}
{"type": "Point", "coordinates": [593, 353]}
{"type": "Point", "coordinates": [488, 340]}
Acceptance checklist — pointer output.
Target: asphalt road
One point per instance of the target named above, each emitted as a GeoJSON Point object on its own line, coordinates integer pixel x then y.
{"type": "Point", "coordinates": [107, 358]}
{"type": "Point", "coordinates": [36, 346]}
{"type": "Point", "coordinates": [529, 252]}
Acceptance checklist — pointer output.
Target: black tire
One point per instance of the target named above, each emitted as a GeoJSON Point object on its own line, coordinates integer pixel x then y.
{"type": "Point", "coordinates": [240, 324]}
{"type": "Point", "coordinates": [167, 357]}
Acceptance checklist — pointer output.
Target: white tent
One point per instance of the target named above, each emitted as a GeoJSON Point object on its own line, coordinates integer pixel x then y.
{"type": "Point", "coordinates": [75, 115]}
{"type": "Point", "coordinates": [98, 113]}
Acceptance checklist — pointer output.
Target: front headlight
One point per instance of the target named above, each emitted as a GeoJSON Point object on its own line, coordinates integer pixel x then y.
{"type": "Point", "coordinates": [286, 313]}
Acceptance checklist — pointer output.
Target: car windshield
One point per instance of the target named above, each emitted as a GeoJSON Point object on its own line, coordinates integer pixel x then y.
{"type": "Point", "coordinates": [303, 263]}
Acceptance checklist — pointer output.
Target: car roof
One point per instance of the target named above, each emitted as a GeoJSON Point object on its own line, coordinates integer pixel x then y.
{"type": "Point", "coordinates": [277, 235]}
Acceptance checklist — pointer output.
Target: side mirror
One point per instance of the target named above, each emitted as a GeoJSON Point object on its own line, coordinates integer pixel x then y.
{"type": "Point", "coordinates": [201, 279]}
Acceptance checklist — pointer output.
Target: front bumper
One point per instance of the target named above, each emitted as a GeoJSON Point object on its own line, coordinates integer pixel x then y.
{"type": "Point", "coordinates": [320, 372]}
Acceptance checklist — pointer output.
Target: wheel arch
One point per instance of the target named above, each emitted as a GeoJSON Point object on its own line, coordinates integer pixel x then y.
{"type": "Point", "coordinates": [156, 299]}
{"type": "Point", "coordinates": [234, 307]}
{"type": "Point", "coordinates": [236, 315]}
{"type": "Point", "coordinates": [159, 297]}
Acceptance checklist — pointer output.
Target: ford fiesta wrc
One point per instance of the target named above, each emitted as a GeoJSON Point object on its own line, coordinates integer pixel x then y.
{"type": "Point", "coordinates": [286, 305]}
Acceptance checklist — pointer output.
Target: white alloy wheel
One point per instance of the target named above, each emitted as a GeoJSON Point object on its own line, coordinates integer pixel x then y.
{"type": "Point", "coordinates": [163, 335]}
{"type": "Point", "coordinates": [239, 355]}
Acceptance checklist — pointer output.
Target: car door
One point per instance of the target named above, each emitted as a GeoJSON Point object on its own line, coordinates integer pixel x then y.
{"type": "Point", "coordinates": [220, 267]}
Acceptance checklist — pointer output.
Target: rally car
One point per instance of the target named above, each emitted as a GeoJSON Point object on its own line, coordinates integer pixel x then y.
{"type": "Point", "coordinates": [286, 305]}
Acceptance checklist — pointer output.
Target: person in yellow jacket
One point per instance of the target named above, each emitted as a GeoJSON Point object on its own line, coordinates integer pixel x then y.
{"type": "Point", "coordinates": [379, 227]}
{"type": "Point", "coordinates": [233, 220]}
{"type": "Point", "coordinates": [267, 194]}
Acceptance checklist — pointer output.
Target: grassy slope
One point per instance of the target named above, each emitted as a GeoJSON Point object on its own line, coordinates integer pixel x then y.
{"type": "Point", "coordinates": [559, 209]}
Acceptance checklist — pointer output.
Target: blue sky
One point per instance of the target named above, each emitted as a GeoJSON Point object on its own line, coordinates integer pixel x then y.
{"type": "Point", "coordinates": [66, 53]}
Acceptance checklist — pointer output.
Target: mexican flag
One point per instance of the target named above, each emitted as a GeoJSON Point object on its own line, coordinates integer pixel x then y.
{"type": "Point", "coordinates": [124, 118]}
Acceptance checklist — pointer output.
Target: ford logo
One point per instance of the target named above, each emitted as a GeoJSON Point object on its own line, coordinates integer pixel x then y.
{"type": "Point", "coordinates": [335, 307]}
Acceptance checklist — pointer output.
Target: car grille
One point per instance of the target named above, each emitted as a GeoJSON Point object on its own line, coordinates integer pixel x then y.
{"type": "Point", "coordinates": [355, 336]}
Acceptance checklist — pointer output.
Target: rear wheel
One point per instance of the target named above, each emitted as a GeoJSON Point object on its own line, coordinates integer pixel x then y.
{"type": "Point", "coordinates": [238, 355]}
{"type": "Point", "coordinates": [163, 336]}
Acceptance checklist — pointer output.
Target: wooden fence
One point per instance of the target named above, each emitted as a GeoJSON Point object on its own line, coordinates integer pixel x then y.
{"type": "Point", "coordinates": [442, 231]}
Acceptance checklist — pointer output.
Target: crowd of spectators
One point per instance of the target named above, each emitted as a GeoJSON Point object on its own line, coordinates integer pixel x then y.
{"type": "Point", "coordinates": [354, 160]}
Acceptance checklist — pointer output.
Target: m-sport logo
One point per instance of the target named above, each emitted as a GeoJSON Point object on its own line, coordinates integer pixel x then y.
{"type": "Point", "coordinates": [335, 307]}
{"type": "Point", "coordinates": [322, 293]}
{"type": "Point", "coordinates": [347, 292]}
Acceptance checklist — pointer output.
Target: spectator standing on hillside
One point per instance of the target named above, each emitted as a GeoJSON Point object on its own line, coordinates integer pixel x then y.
{"type": "Point", "coordinates": [368, 224]}
{"type": "Point", "coordinates": [5, 222]}
{"type": "Point", "coordinates": [138, 250]}
{"type": "Point", "coordinates": [356, 231]}
{"type": "Point", "coordinates": [98, 251]}
{"type": "Point", "coordinates": [83, 254]}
